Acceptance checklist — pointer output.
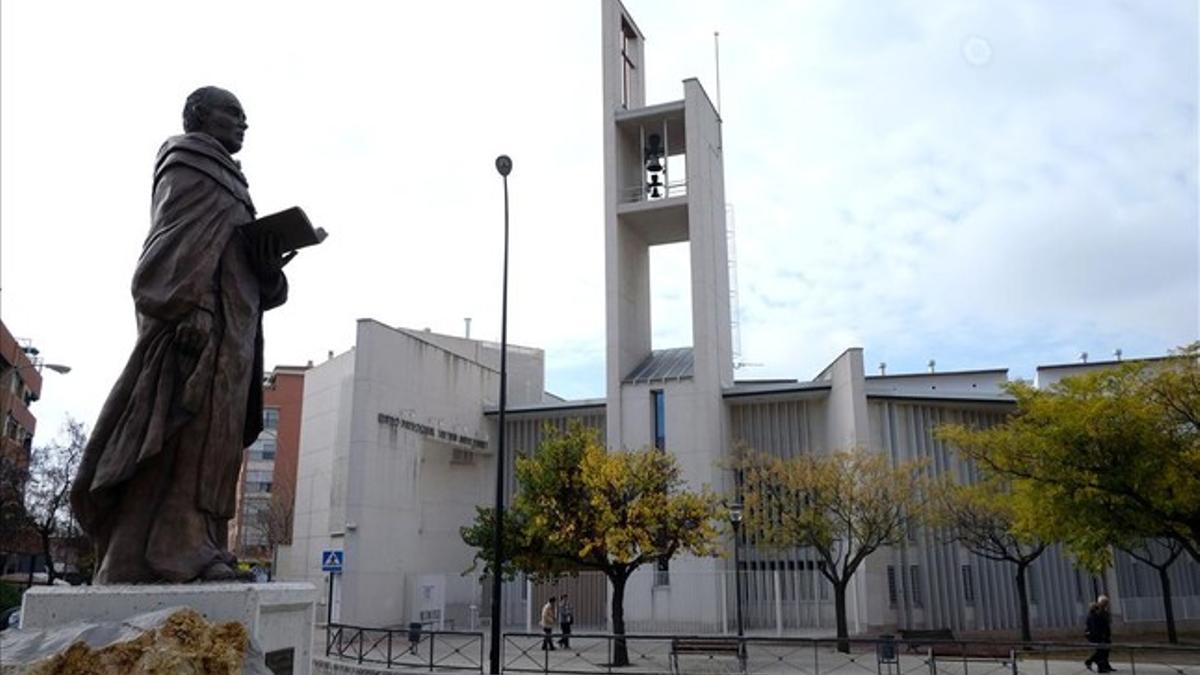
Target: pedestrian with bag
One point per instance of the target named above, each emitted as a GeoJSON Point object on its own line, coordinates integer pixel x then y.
{"type": "Point", "coordinates": [566, 617]}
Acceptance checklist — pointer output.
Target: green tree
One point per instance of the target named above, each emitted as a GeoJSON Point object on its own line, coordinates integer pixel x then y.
{"type": "Point", "coordinates": [843, 506]}
{"type": "Point", "coordinates": [581, 507]}
{"type": "Point", "coordinates": [1114, 455]}
{"type": "Point", "coordinates": [996, 520]}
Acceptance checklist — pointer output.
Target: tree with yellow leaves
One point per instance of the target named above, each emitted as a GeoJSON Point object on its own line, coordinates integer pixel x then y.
{"type": "Point", "coordinates": [1111, 458]}
{"type": "Point", "coordinates": [843, 506]}
{"type": "Point", "coordinates": [1114, 454]}
{"type": "Point", "coordinates": [998, 520]}
{"type": "Point", "coordinates": [579, 506]}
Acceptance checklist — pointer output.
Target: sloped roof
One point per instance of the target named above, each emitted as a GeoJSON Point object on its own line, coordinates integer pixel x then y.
{"type": "Point", "coordinates": [663, 365]}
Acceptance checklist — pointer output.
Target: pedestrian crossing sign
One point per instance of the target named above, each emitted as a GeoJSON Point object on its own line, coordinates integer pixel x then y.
{"type": "Point", "coordinates": [332, 560]}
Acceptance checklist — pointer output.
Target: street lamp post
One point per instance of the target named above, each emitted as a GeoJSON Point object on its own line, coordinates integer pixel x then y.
{"type": "Point", "coordinates": [735, 517]}
{"type": "Point", "coordinates": [504, 166]}
{"type": "Point", "coordinates": [38, 366]}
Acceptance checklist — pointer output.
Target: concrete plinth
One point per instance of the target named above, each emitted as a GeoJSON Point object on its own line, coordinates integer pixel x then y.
{"type": "Point", "coordinates": [279, 616]}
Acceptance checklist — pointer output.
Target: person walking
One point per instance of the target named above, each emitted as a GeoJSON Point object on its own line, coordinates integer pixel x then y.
{"type": "Point", "coordinates": [549, 618]}
{"type": "Point", "coordinates": [1099, 631]}
{"type": "Point", "coordinates": [566, 617]}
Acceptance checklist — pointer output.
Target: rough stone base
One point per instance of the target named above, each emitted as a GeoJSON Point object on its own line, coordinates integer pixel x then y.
{"type": "Point", "coordinates": [278, 616]}
{"type": "Point", "coordinates": [176, 641]}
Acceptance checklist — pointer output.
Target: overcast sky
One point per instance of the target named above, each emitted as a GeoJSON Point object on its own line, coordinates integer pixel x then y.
{"type": "Point", "coordinates": [1003, 183]}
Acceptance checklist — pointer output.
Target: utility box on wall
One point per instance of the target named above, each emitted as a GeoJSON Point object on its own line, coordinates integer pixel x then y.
{"type": "Point", "coordinates": [427, 600]}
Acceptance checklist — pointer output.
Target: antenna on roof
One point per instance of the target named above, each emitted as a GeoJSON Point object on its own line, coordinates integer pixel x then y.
{"type": "Point", "coordinates": [883, 368]}
{"type": "Point", "coordinates": [932, 365]}
{"type": "Point", "coordinates": [717, 58]}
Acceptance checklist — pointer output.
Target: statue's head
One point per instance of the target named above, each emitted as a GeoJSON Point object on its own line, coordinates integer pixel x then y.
{"type": "Point", "coordinates": [218, 113]}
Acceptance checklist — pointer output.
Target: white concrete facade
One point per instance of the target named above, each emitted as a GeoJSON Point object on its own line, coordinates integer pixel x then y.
{"type": "Point", "coordinates": [394, 457]}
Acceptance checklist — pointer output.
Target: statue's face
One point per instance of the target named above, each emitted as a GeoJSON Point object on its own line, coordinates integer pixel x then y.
{"type": "Point", "coordinates": [225, 121]}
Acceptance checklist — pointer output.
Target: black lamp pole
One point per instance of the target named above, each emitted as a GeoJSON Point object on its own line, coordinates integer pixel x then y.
{"type": "Point", "coordinates": [504, 166]}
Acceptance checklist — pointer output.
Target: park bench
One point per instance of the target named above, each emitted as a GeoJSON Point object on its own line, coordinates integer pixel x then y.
{"type": "Point", "coordinates": [977, 651]}
{"type": "Point", "coordinates": [943, 644]}
{"type": "Point", "coordinates": [915, 638]}
{"type": "Point", "coordinates": [705, 646]}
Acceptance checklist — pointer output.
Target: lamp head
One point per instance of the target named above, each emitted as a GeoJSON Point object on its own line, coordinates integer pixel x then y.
{"type": "Point", "coordinates": [735, 513]}
{"type": "Point", "coordinates": [504, 165]}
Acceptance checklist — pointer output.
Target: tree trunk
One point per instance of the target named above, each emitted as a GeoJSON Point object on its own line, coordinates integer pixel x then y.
{"type": "Point", "coordinates": [1168, 609]}
{"type": "Point", "coordinates": [1023, 602]}
{"type": "Point", "coordinates": [620, 651]}
{"type": "Point", "coordinates": [49, 557]}
{"type": "Point", "coordinates": [839, 607]}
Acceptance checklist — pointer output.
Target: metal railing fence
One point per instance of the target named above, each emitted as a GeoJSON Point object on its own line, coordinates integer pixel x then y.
{"type": "Point", "coordinates": [409, 649]}
{"type": "Point", "coordinates": [663, 654]}
{"type": "Point", "coordinates": [591, 653]}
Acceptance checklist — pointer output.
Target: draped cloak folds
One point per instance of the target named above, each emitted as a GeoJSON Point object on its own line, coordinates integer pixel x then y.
{"type": "Point", "coordinates": [157, 483]}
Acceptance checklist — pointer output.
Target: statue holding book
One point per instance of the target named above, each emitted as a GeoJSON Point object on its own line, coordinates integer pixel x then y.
{"type": "Point", "coordinates": [158, 481]}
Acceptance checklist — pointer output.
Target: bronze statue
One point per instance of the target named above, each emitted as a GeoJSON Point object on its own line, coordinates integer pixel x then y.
{"type": "Point", "coordinates": [157, 484]}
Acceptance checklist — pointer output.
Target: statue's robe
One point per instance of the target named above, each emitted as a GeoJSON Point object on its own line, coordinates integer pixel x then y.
{"type": "Point", "coordinates": [157, 484]}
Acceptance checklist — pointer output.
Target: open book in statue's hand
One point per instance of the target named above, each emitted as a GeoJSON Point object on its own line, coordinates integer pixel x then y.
{"type": "Point", "coordinates": [290, 226]}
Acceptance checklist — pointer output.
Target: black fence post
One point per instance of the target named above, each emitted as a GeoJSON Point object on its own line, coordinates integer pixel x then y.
{"type": "Point", "coordinates": [609, 641]}
{"type": "Point", "coordinates": [389, 659]}
{"type": "Point", "coordinates": [432, 636]}
{"type": "Point", "coordinates": [361, 638]}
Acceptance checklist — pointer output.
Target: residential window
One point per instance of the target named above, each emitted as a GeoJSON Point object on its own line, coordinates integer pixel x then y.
{"type": "Point", "coordinates": [914, 584]}
{"type": "Point", "coordinates": [271, 418]}
{"type": "Point", "coordinates": [658, 401]}
{"type": "Point", "coordinates": [662, 572]}
{"type": "Point", "coordinates": [968, 583]}
{"type": "Point", "coordinates": [891, 579]}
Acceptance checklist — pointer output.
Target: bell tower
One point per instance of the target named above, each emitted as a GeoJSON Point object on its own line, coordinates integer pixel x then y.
{"type": "Point", "coordinates": [664, 183]}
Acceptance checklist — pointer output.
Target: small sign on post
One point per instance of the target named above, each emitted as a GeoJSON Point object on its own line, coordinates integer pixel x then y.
{"type": "Point", "coordinates": [332, 560]}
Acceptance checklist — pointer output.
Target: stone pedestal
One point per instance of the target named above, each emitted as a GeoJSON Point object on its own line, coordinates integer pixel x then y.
{"type": "Point", "coordinates": [279, 616]}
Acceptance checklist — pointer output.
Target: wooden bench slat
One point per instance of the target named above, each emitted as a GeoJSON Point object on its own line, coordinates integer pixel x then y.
{"type": "Point", "coordinates": [703, 646]}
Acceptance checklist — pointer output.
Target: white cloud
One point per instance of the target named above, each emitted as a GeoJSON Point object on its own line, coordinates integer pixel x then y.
{"type": "Point", "coordinates": [889, 191]}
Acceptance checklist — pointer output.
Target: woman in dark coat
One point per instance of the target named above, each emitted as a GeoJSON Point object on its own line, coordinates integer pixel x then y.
{"type": "Point", "coordinates": [1099, 631]}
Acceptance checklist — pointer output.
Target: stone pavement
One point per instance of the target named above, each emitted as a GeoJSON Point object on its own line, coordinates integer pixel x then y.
{"type": "Point", "coordinates": [650, 655]}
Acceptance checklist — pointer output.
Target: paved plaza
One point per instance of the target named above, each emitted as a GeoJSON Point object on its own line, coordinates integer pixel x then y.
{"type": "Point", "coordinates": [651, 655]}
